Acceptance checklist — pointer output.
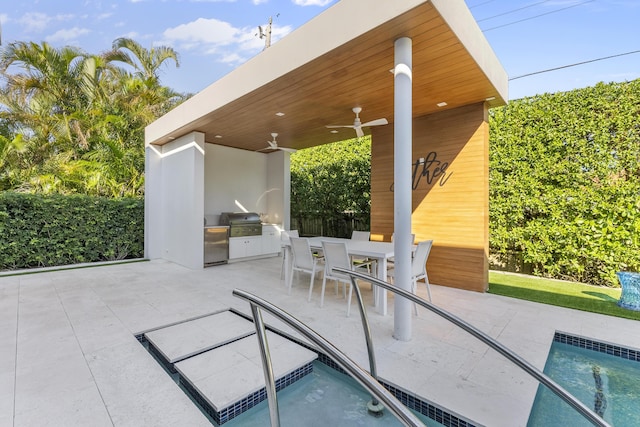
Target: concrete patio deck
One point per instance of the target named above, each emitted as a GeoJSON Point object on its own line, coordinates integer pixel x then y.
{"type": "Point", "coordinates": [70, 357]}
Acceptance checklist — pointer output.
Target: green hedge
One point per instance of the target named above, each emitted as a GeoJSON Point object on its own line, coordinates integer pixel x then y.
{"type": "Point", "coordinates": [565, 182]}
{"type": "Point", "coordinates": [54, 230]}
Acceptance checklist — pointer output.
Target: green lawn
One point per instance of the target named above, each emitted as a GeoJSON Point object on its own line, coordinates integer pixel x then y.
{"type": "Point", "coordinates": [561, 293]}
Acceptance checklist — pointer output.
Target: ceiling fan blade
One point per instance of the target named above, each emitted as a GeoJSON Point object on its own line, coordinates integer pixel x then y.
{"type": "Point", "coordinates": [376, 122]}
{"type": "Point", "coordinates": [288, 150]}
{"type": "Point", "coordinates": [357, 124]}
{"type": "Point", "coordinates": [339, 126]}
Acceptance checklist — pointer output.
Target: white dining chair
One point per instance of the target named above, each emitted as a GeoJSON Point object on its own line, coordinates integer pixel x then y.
{"type": "Point", "coordinates": [303, 260]}
{"type": "Point", "coordinates": [335, 255]}
{"type": "Point", "coordinates": [358, 262]}
{"type": "Point", "coordinates": [285, 240]}
{"type": "Point", "coordinates": [413, 237]}
{"type": "Point", "coordinates": [418, 269]}
{"type": "Point", "coordinates": [390, 260]}
{"type": "Point", "coordinates": [360, 235]}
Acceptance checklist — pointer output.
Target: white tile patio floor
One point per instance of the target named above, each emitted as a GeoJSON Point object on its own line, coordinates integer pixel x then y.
{"type": "Point", "coordinates": [69, 356]}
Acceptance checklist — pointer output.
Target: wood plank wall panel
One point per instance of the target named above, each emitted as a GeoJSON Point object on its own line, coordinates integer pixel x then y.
{"type": "Point", "coordinates": [453, 209]}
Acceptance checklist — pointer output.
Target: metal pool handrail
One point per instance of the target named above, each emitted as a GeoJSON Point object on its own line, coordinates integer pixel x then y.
{"type": "Point", "coordinates": [584, 410]}
{"type": "Point", "coordinates": [367, 381]}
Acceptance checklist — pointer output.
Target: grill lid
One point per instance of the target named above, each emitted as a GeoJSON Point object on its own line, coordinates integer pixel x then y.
{"type": "Point", "coordinates": [239, 218]}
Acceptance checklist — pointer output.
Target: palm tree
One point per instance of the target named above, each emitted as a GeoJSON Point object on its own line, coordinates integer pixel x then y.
{"type": "Point", "coordinates": [10, 150]}
{"type": "Point", "coordinates": [49, 75]}
{"type": "Point", "coordinates": [81, 117]}
{"type": "Point", "coordinates": [146, 62]}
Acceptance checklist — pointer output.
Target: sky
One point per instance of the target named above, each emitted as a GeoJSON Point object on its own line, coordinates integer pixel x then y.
{"type": "Point", "coordinates": [212, 37]}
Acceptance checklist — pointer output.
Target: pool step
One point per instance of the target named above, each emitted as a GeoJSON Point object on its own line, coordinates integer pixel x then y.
{"type": "Point", "coordinates": [218, 361]}
{"type": "Point", "coordinates": [184, 340]}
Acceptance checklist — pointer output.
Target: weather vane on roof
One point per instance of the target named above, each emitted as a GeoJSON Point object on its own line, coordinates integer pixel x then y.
{"type": "Point", "coordinates": [266, 34]}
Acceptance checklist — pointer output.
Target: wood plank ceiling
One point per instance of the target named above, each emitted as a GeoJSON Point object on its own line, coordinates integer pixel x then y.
{"type": "Point", "coordinates": [358, 73]}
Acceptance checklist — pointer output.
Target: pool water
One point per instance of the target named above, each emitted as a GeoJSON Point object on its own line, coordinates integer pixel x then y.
{"type": "Point", "coordinates": [607, 384]}
{"type": "Point", "coordinates": [322, 398]}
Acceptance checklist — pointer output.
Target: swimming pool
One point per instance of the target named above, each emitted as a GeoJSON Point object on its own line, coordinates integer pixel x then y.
{"type": "Point", "coordinates": [603, 376]}
{"type": "Point", "coordinates": [322, 397]}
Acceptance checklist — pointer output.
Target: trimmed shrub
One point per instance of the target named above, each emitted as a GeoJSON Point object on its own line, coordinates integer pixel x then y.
{"type": "Point", "coordinates": [54, 230]}
{"type": "Point", "coordinates": [565, 183]}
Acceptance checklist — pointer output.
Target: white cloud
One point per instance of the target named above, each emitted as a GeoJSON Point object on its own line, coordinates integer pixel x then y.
{"type": "Point", "coordinates": [35, 21]}
{"type": "Point", "coordinates": [257, 2]}
{"type": "Point", "coordinates": [67, 34]}
{"type": "Point", "coordinates": [228, 44]}
{"type": "Point", "coordinates": [232, 58]}
{"type": "Point", "coordinates": [207, 31]}
{"type": "Point", "coordinates": [312, 2]}
{"type": "Point", "coordinates": [250, 42]}
{"type": "Point", "coordinates": [134, 35]}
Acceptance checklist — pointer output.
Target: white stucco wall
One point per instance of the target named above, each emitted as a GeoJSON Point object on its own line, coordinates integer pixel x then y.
{"type": "Point", "coordinates": [237, 179]}
{"type": "Point", "coordinates": [234, 177]}
{"type": "Point", "coordinates": [153, 214]}
{"type": "Point", "coordinates": [279, 188]}
{"type": "Point", "coordinates": [174, 201]}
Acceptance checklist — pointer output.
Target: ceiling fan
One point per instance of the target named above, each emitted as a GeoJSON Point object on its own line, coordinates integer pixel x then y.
{"type": "Point", "coordinates": [273, 145]}
{"type": "Point", "coordinates": [357, 125]}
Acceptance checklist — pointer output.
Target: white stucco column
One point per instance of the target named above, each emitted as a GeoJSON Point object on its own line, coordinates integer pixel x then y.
{"type": "Point", "coordinates": [174, 201]}
{"type": "Point", "coordinates": [402, 185]}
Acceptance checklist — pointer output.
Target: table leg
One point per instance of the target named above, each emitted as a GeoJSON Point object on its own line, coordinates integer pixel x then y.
{"type": "Point", "coordinates": [380, 295]}
{"type": "Point", "coordinates": [287, 266]}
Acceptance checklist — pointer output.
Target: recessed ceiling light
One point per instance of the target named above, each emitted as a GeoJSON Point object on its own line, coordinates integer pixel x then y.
{"type": "Point", "coordinates": [441, 104]}
{"type": "Point", "coordinates": [279, 114]}
{"type": "Point", "coordinates": [491, 98]}
{"type": "Point", "coordinates": [333, 131]}
{"type": "Point", "coordinates": [171, 138]}
{"type": "Point", "coordinates": [218, 136]}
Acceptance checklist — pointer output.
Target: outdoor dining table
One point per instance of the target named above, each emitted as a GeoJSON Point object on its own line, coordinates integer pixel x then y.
{"type": "Point", "coordinates": [381, 252]}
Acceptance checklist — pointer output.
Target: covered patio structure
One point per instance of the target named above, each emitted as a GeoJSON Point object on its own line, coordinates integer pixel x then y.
{"type": "Point", "coordinates": [313, 78]}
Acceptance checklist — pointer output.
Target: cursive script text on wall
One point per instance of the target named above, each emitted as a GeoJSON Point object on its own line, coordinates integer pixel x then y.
{"type": "Point", "coordinates": [430, 169]}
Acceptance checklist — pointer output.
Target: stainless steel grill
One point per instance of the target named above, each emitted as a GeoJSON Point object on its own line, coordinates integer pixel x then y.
{"type": "Point", "coordinates": [242, 223]}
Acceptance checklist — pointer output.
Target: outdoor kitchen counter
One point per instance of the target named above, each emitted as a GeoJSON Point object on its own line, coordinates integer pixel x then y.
{"type": "Point", "coordinates": [265, 244]}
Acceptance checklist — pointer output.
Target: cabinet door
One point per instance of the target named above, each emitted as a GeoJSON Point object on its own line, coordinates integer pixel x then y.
{"type": "Point", "coordinates": [253, 246]}
{"type": "Point", "coordinates": [236, 247]}
{"type": "Point", "coordinates": [270, 240]}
